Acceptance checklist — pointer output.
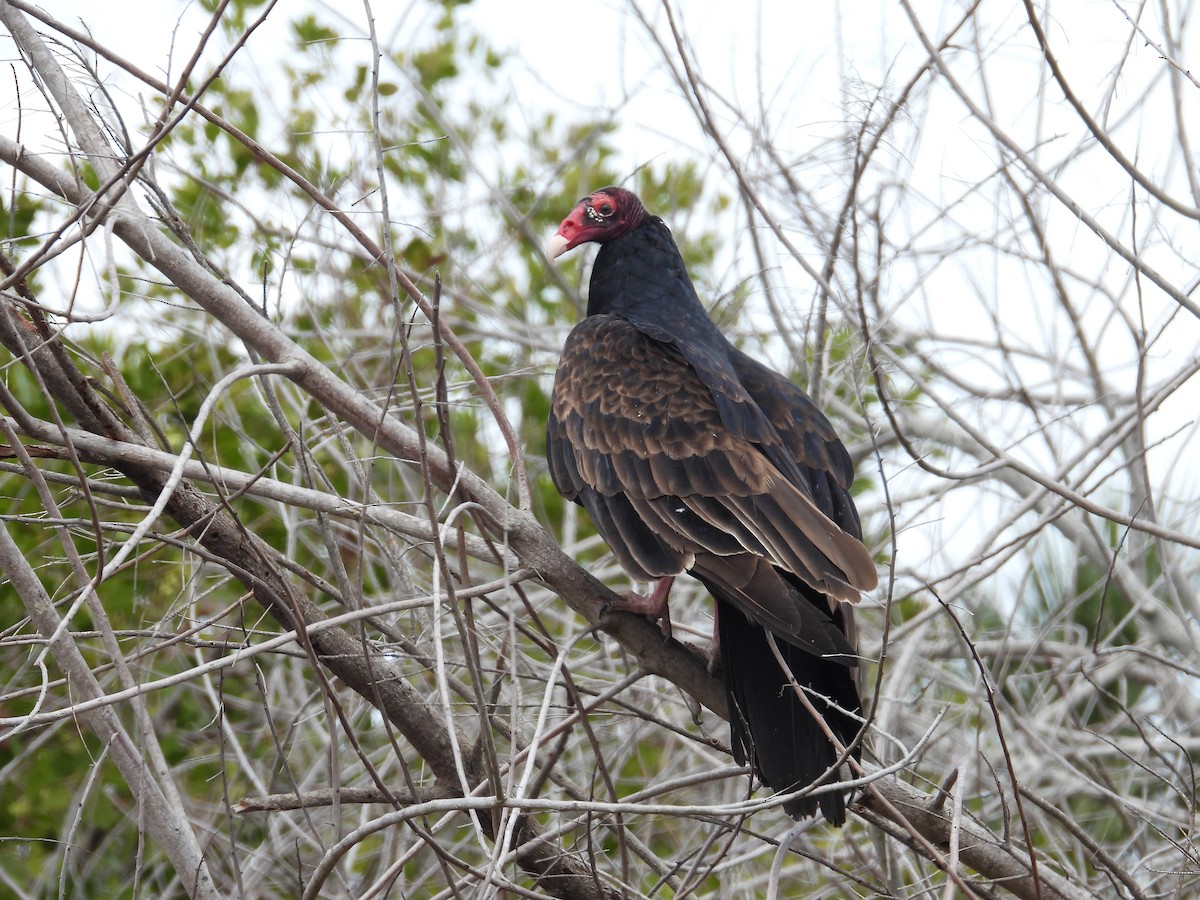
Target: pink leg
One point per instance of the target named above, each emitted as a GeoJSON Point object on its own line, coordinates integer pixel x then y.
{"type": "Point", "coordinates": [655, 606]}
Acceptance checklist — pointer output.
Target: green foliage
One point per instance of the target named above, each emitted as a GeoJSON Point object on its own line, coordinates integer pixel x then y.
{"type": "Point", "coordinates": [236, 16]}
{"type": "Point", "coordinates": [308, 32]}
{"type": "Point", "coordinates": [235, 208]}
{"type": "Point", "coordinates": [17, 213]}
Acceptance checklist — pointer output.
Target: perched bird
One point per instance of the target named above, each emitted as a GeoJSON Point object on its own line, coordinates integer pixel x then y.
{"type": "Point", "coordinates": [691, 456]}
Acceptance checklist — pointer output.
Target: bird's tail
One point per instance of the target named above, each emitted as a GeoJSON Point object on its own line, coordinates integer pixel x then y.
{"type": "Point", "coordinates": [770, 726]}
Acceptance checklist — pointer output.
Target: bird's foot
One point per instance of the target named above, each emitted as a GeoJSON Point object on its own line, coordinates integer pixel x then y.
{"type": "Point", "coordinates": [655, 606]}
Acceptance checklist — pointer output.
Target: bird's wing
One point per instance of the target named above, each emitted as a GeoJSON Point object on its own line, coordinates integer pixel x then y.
{"type": "Point", "coordinates": [809, 439]}
{"type": "Point", "coordinates": [637, 437]}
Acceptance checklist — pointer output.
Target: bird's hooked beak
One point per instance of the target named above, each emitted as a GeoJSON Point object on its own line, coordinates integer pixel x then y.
{"type": "Point", "coordinates": [571, 233]}
{"type": "Point", "coordinates": [557, 245]}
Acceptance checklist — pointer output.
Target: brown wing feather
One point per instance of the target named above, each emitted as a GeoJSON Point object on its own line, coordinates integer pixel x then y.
{"type": "Point", "coordinates": [809, 439]}
{"type": "Point", "coordinates": [636, 436]}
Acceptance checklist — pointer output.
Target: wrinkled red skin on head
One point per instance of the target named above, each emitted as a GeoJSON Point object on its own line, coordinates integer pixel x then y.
{"type": "Point", "coordinates": [588, 221]}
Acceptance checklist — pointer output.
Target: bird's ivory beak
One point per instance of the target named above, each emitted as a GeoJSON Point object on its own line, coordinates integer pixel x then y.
{"type": "Point", "coordinates": [557, 246]}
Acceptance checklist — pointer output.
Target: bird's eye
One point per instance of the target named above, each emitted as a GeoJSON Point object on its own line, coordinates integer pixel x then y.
{"type": "Point", "coordinates": [599, 212]}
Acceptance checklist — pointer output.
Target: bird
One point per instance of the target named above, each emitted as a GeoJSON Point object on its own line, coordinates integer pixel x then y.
{"type": "Point", "coordinates": [691, 456]}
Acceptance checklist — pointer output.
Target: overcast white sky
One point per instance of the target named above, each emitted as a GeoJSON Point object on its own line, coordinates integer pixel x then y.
{"type": "Point", "coordinates": [593, 56]}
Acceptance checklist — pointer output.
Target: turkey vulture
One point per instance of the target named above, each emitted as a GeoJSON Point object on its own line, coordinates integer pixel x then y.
{"type": "Point", "coordinates": [691, 456]}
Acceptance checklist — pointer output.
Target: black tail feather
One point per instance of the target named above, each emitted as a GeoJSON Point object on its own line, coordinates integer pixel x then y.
{"type": "Point", "coordinates": [770, 727]}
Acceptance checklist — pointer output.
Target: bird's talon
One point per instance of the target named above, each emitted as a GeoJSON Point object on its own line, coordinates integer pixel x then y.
{"type": "Point", "coordinates": [653, 608]}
